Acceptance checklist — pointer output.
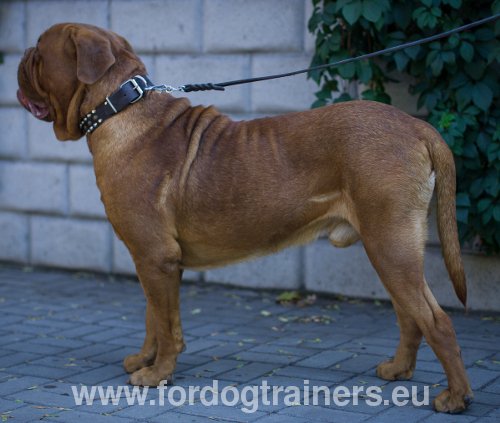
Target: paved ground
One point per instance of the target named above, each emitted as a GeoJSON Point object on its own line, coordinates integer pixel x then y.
{"type": "Point", "coordinates": [62, 329]}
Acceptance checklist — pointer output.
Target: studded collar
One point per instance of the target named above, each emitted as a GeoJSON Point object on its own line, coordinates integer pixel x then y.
{"type": "Point", "coordinates": [131, 91]}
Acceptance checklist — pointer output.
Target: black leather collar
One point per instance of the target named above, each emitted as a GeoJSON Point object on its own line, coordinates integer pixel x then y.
{"type": "Point", "coordinates": [131, 91]}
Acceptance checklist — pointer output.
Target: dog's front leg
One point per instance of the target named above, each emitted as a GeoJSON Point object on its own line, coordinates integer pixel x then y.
{"type": "Point", "coordinates": [146, 357]}
{"type": "Point", "coordinates": [163, 328]}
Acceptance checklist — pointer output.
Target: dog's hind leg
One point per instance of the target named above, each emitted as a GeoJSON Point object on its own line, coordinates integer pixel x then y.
{"type": "Point", "coordinates": [398, 259]}
{"type": "Point", "coordinates": [401, 367]}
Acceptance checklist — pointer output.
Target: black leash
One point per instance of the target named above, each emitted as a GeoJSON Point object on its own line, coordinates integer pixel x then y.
{"type": "Point", "coordinates": [220, 86]}
{"type": "Point", "coordinates": [135, 88]}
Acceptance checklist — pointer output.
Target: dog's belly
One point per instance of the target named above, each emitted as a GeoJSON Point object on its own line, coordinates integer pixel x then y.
{"type": "Point", "coordinates": [246, 241]}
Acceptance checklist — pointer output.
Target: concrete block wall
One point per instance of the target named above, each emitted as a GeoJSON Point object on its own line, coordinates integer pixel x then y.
{"type": "Point", "coordinates": [50, 209]}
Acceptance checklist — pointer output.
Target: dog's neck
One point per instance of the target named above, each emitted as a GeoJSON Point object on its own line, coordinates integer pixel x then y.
{"type": "Point", "coordinates": [155, 110]}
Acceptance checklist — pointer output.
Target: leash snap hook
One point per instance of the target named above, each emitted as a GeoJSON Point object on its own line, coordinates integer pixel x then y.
{"type": "Point", "coordinates": [163, 88]}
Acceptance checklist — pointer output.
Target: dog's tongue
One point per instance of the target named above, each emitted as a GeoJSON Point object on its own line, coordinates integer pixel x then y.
{"type": "Point", "coordinates": [40, 111]}
{"type": "Point", "coordinates": [37, 111]}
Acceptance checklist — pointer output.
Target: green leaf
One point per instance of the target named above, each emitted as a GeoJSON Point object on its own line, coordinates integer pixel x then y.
{"type": "Point", "coordinates": [372, 10]}
{"type": "Point", "coordinates": [431, 57]}
{"type": "Point", "coordinates": [347, 71]}
{"type": "Point", "coordinates": [318, 103]}
{"type": "Point", "coordinates": [422, 17]}
{"type": "Point", "coordinates": [446, 120]}
{"type": "Point", "coordinates": [463, 214]}
{"type": "Point", "coordinates": [431, 99]}
{"type": "Point", "coordinates": [483, 204]}
{"type": "Point", "coordinates": [431, 20]}
{"type": "Point", "coordinates": [412, 52]}
{"type": "Point", "coordinates": [373, 95]}
{"type": "Point", "coordinates": [437, 65]}
{"type": "Point", "coordinates": [494, 54]}
{"type": "Point", "coordinates": [401, 60]}
{"type": "Point", "coordinates": [331, 8]}
{"type": "Point", "coordinates": [364, 72]}
{"type": "Point", "coordinates": [352, 11]}
{"type": "Point", "coordinates": [343, 97]}
{"type": "Point", "coordinates": [495, 8]}
{"type": "Point", "coordinates": [339, 4]}
{"type": "Point", "coordinates": [483, 141]}
{"type": "Point", "coordinates": [487, 215]}
{"type": "Point", "coordinates": [496, 213]}
{"type": "Point", "coordinates": [314, 21]}
{"type": "Point", "coordinates": [482, 96]}
{"type": "Point", "coordinates": [448, 57]}
{"type": "Point", "coordinates": [455, 3]}
{"type": "Point", "coordinates": [418, 11]}
{"type": "Point", "coordinates": [493, 152]}
{"type": "Point", "coordinates": [466, 51]}
{"type": "Point", "coordinates": [463, 199]}
{"type": "Point", "coordinates": [436, 11]}
{"type": "Point", "coordinates": [464, 95]}
{"type": "Point", "coordinates": [477, 188]}
{"type": "Point", "coordinates": [458, 80]}
{"type": "Point", "coordinates": [334, 41]}
{"type": "Point", "coordinates": [492, 183]}
{"type": "Point", "coordinates": [470, 151]}
{"type": "Point", "coordinates": [454, 40]}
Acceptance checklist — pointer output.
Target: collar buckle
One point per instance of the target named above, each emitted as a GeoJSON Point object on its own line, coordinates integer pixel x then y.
{"type": "Point", "coordinates": [136, 87]}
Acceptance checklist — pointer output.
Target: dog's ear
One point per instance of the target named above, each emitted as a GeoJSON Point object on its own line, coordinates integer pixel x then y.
{"type": "Point", "coordinates": [93, 55]}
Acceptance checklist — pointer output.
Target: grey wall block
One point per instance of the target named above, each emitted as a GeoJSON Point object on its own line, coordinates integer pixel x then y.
{"type": "Point", "coordinates": [279, 271]}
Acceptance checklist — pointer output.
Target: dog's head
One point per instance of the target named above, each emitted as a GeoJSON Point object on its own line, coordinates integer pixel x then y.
{"type": "Point", "coordinates": [70, 60]}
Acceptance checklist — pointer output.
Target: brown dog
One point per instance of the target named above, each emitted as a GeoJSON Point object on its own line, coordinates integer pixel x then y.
{"type": "Point", "coordinates": [186, 187]}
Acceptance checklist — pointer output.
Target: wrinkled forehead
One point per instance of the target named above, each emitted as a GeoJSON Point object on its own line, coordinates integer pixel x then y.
{"type": "Point", "coordinates": [57, 29]}
{"type": "Point", "coordinates": [56, 37]}
{"type": "Point", "coordinates": [61, 37]}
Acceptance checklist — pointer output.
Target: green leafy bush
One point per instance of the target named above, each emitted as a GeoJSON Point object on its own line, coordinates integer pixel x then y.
{"type": "Point", "coordinates": [456, 79]}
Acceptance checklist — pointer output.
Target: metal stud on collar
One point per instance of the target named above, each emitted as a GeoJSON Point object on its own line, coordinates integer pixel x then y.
{"type": "Point", "coordinates": [90, 122]}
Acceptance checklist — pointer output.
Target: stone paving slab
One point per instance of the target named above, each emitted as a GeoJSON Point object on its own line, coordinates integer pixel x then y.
{"type": "Point", "coordinates": [61, 330]}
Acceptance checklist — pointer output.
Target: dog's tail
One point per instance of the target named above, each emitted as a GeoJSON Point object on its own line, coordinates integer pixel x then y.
{"type": "Point", "coordinates": [444, 167]}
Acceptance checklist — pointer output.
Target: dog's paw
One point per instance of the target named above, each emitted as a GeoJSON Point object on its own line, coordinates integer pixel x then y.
{"type": "Point", "coordinates": [134, 362]}
{"type": "Point", "coordinates": [447, 402]}
{"type": "Point", "coordinates": [388, 370]}
{"type": "Point", "coordinates": [150, 376]}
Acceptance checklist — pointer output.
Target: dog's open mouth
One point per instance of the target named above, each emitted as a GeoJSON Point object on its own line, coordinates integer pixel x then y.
{"type": "Point", "coordinates": [37, 109]}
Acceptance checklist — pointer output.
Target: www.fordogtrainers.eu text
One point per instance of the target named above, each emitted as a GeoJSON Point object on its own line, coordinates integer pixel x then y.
{"type": "Point", "coordinates": [249, 398]}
